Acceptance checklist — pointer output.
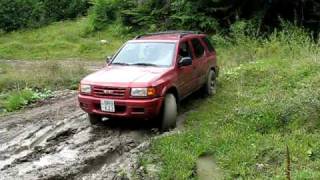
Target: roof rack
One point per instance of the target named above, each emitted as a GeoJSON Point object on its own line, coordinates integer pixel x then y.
{"type": "Point", "coordinates": [180, 33]}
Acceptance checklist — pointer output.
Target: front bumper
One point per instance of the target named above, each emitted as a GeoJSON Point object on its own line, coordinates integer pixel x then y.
{"type": "Point", "coordinates": [125, 108]}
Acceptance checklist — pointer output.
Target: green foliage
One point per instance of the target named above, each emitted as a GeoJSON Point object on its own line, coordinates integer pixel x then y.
{"type": "Point", "coordinates": [64, 9]}
{"type": "Point", "coordinates": [19, 14]}
{"type": "Point", "coordinates": [102, 13]}
{"type": "Point", "coordinates": [204, 15]}
{"type": "Point", "coordinates": [192, 15]}
{"type": "Point", "coordinates": [152, 15]}
{"type": "Point", "coordinates": [34, 13]}
{"type": "Point", "coordinates": [20, 98]}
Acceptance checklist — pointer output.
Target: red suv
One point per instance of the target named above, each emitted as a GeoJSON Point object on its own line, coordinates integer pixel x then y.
{"type": "Point", "coordinates": [149, 76]}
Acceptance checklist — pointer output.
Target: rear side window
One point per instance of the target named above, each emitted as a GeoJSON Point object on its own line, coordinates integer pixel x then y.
{"type": "Point", "coordinates": [209, 44]}
{"type": "Point", "coordinates": [198, 48]}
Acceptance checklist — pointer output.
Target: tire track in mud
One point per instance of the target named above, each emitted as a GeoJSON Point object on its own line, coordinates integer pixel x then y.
{"type": "Point", "coordinates": [55, 141]}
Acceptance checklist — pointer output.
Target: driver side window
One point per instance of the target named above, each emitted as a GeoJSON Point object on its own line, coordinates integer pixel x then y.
{"type": "Point", "coordinates": [184, 50]}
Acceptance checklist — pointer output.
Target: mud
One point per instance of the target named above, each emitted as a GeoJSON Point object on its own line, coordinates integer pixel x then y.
{"type": "Point", "coordinates": [55, 141]}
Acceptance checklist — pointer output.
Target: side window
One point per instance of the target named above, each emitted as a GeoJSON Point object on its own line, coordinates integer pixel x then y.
{"type": "Point", "coordinates": [209, 44]}
{"type": "Point", "coordinates": [184, 50]}
{"type": "Point", "coordinates": [198, 48]}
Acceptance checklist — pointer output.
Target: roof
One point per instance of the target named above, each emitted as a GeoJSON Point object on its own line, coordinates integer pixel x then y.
{"type": "Point", "coordinates": [167, 35]}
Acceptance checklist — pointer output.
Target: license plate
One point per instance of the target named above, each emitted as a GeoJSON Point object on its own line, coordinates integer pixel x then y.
{"type": "Point", "coordinates": [107, 105]}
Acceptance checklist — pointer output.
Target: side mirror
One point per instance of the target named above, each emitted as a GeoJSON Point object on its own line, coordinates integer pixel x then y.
{"type": "Point", "coordinates": [185, 61]}
{"type": "Point", "coordinates": [109, 58]}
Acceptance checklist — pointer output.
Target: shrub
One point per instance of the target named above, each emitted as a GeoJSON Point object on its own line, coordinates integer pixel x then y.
{"type": "Point", "coordinates": [18, 99]}
{"type": "Point", "coordinates": [151, 15]}
{"type": "Point", "coordinates": [19, 14]}
{"type": "Point", "coordinates": [64, 9]}
{"type": "Point", "coordinates": [102, 13]}
{"type": "Point", "coordinates": [34, 13]}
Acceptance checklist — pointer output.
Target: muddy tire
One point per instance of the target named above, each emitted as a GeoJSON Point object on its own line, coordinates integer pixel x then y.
{"type": "Point", "coordinates": [169, 113]}
{"type": "Point", "coordinates": [210, 88]}
{"type": "Point", "coordinates": [94, 119]}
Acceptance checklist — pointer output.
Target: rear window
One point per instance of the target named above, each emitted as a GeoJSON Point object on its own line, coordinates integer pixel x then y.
{"type": "Point", "coordinates": [209, 44]}
{"type": "Point", "coordinates": [198, 48]}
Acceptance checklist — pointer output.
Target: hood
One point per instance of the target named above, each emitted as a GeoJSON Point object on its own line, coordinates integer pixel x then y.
{"type": "Point", "coordinates": [125, 75]}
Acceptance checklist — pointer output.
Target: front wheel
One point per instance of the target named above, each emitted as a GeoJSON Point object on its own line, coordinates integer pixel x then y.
{"type": "Point", "coordinates": [169, 113]}
{"type": "Point", "coordinates": [210, 88]}
{"type": "Point", "coordinates": [94, 119]}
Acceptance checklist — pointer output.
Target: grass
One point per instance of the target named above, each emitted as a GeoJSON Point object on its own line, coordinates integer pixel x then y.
{"type": "Point", "coordinates": [53, 75]}
{"type": "Point", "coordinates": [61, 40]}
{"type": "Point", "coordinates": [15, 100]}
{"type": "Point", "coordinates": [268, 99]}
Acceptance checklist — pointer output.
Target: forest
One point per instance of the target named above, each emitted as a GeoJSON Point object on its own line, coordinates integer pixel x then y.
{"type": "Point", "coordinates": [203, 15]}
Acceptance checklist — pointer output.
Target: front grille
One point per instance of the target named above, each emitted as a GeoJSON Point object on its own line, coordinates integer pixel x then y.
{"type": "Point", "coordinates": [100, 91]}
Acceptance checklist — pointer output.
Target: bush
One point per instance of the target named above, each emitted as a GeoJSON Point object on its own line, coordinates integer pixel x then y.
{"type": "Point", "coordinates": [34, 13]}
{"type": "Point", "coordinates": [151, 15]}
{"type": "Point", "coordinates": [19, 14]}
{"type": "Point", "coordinates": [102, 13]}
{"type": "Point", "coordinates": [17, 99]}
{"type": "Point", "coordinates": [64, 9]}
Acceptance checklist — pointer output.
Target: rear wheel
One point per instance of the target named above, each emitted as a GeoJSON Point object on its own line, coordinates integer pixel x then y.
{"type": "Point", "coordinates": [94, 119]}
{"type": "Point", "coordinates": [210, 88]}
{"type": "Point", "coordinates": [169, 113]}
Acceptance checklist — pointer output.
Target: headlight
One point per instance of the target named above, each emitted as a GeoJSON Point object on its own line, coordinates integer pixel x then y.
{"type": "Point", "coordinates": [143, 92]}
{"type": "Point", "coordinates": [85, 88]}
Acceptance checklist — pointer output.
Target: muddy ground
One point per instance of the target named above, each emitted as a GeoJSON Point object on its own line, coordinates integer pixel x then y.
{"type": "Point", "coordinates": [56, 141]}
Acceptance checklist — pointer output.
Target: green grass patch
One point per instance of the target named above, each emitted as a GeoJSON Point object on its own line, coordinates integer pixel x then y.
{"type": "Point", "coordinates": [61, 40]}
{"type": "Point", "coordinates": [15, 100]}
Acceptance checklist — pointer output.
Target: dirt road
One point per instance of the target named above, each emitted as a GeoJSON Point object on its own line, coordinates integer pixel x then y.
{"type": "Point", "coordinates": [55, 141]}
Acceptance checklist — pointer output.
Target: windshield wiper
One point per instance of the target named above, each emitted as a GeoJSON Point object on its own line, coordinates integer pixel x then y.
{"type": "Point", "coordinates": [144, 64]}
{"type": "Point", "coordinates": [120, 63]}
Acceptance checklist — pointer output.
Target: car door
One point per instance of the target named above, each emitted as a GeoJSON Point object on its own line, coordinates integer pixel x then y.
{"type": "Point", "coordinates": [199, 62]}
{"type": "Point", "coordinates": [186, 74]}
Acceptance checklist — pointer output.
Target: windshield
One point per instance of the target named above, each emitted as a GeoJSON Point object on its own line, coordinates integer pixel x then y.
{"type": "Point", "coordinates": [146, 54]}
